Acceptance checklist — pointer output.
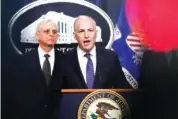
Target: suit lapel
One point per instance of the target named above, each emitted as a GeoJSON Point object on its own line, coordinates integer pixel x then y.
{"type": "Point", "coordinates": [37, 68]}
{"type": "Point", "coordinates": [56, 60]}
{"type": "Point", "coordinates": [99, 75]}
{"type": "Point", "coordinates": [56, 63]}
{"type": "Point", "coordinates": [77, 69]}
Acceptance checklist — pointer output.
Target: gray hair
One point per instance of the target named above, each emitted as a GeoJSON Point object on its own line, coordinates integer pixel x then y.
{"type": "Point", "coordinates": [45, 20]}
{"type": "Point", "coordinates": [83, 17]}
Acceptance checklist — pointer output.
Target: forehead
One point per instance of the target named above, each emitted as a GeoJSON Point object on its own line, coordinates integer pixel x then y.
{"type": "Point", "coordinates": [85, 23]}
{"type": "Point", "coordinates": [48, 25]}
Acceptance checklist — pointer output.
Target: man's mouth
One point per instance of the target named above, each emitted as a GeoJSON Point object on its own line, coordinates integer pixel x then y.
{"type": "Point", "coordinates": [86, 42]}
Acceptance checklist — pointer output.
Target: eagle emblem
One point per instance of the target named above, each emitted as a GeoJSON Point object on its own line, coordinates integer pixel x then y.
{"type": "Point", "coordinates": [104, 104]}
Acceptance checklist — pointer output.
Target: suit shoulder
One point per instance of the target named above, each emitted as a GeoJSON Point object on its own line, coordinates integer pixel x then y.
{"type": "Point", "coordinates": [58, 54]}
{"type": "Point", "coordinates": [109, 52]}
{"type": "Point", "coordinates": [28, 54]}
{"type": "Point", "coordinates": [70, 53]}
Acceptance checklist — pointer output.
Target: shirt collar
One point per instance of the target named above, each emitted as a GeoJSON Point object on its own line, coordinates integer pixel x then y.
{"type": "Point", "coordinates": [42, 52]}
{"type": "Point", "coordinates": [81, 53]}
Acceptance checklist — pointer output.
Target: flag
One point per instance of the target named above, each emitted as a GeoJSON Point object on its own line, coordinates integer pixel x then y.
{"type": "Point", "coordinates": [127, 45]}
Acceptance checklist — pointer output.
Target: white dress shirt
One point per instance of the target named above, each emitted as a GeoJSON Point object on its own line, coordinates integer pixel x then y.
{"type": "Point", "coordinates": [83, 60]}
{"type": "Point", "coordinates": [42, 58]}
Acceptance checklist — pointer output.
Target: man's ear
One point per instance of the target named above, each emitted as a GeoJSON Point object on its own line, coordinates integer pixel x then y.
{"type": "Point", "coordinates": [74, 35]}
{"type": "Point", "coordinates": [96, 32]}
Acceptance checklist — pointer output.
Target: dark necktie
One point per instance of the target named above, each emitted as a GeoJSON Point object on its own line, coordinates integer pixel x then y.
{"type": "Point", "coordinates": [47, 69]}
{"type": "Point", "coordinates": [89, 71]}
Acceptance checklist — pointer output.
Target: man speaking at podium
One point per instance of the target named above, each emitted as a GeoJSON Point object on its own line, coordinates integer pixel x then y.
{"type": "Point", "coordinates": [89, 66]}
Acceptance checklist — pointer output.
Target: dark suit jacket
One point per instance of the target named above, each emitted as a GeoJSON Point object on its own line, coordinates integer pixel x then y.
{"type": "Point", "coordinates": [32, 99]}
{"type": "Point", "coordinates": [159, 79]}
{"type": "Point", "coordinates": [108, 71]}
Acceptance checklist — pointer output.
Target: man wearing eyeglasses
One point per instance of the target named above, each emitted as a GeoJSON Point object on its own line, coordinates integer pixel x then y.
{"type": "Point", "coordinates": [33, 79]}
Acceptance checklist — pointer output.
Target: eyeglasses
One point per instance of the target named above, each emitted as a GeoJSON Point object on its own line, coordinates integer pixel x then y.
{"type": "Point", "coordinates": [48, 32]}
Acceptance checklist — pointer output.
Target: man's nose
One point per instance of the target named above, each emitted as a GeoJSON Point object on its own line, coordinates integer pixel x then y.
{"type": "Point", "coordinates": [51, 32]}
{"type": "Point", "coordinates": [86, 34]}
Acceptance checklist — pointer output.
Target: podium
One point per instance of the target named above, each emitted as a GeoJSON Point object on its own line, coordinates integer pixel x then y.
{"type": "Point", "coordinates": [73, 99]}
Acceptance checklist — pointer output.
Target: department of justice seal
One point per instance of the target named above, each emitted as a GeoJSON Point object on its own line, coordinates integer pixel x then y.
{"type": "Point", "coordinates": [104, 104]}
